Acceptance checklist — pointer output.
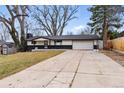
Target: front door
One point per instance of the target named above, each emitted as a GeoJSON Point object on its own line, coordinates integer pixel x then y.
{"type": "Point", "coordinates": [46, 44]}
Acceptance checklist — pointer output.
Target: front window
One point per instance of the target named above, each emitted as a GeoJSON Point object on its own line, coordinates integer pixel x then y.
{"type": "Point", "coordinates": [45, 44]}
{"type": "Point", "coordinates": [33, 42]}
{"type": "Point", "coordinates": [59, 41]}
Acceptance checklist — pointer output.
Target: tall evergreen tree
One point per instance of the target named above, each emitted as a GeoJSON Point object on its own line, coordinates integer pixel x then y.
{"type": "Point", "coordinates": [104, 18]}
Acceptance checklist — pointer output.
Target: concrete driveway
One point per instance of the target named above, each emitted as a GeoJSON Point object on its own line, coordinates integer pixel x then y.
{"type": "Point", "coordinates": [73, 68]}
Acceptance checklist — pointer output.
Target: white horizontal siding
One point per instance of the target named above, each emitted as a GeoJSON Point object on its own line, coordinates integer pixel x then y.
{"type": "Point", "coordinates": [66, 42]}
{"type": "Point", "coordinates": [29, 43]}
{"type": "Point", "coordinates": [58, 43]}
{"type": "Point", "coordinates": [51, 42]}
{"type": "Point", "coordinates": [39, 43]}
{"type": "Point", "coordinates": [40, 39]}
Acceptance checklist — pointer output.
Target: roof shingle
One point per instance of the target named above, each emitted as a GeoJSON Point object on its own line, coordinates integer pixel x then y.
{"type": "Point", "coordinates": [67, 37]}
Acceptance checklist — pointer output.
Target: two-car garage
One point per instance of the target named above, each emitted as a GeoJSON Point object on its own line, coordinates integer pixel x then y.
{"type": "Point", "coordinates": [82, 44]}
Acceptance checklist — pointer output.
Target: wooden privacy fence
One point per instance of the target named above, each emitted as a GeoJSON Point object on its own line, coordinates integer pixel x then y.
{"type": "Point", "coordinates": [118, 43]}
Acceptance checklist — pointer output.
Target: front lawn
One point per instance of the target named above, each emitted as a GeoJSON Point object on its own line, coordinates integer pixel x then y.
{"type": "Point", "coordinates": [10, 64]}
{"type": "Point", "coordinates": [117, 57]}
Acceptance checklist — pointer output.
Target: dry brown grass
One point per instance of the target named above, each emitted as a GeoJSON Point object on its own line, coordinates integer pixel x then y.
{"type": "Point", "coordinates": [10, 64]}
{"type": "Point", "coordinates": [119, 58]}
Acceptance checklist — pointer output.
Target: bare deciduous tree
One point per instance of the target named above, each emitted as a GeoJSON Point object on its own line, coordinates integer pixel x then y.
{"type": "Point", "coordinates": [69, 33]}
{"type": "Point", "coordinates": [4, 32]}
{"type": "Point", "coordinates": [21, 10]}
{"type": "Point", "coordinates": [85, 31]}
{"type": "Point", "coordinates": [19, 13]}
{"type": "Point", "coordinates": [53, 19]}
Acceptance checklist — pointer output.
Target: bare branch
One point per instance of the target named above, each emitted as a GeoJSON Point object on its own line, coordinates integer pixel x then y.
{"type": "Point", "coordinates": [54, 18]}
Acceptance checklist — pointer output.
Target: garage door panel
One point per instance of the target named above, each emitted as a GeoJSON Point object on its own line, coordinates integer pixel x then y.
{"type": "Point", "coordinates": [82, 44]}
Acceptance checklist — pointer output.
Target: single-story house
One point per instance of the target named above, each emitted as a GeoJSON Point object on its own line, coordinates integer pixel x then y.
{"type": "Point", "coordinates": [7, 47]}
{"type": "Point", "coordinates": [64, 42]}
{"type": "Point", "coordinates": [1, 43]}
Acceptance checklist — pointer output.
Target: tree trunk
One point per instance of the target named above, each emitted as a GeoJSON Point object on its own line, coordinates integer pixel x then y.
{"type": "Point", "coordinates": [105, 31]}
{"type": "Point", "coordinates": [23, 37]}
{"type": "Point", "coordinates": [105, 39]}
{"type": "Point", "coordinates": [15, 39]}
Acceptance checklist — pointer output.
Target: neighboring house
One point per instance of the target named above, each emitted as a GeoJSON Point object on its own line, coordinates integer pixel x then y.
{"type": "Point", "coordinates": [64, 42]}
{"type": "Point", "coordinates": [7, 47]}
{"type": "Point", "coordinates": [1, 43]}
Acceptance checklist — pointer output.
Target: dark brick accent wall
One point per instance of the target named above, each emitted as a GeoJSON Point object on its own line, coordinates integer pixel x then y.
{"type": "Point", "coordinates": [49, 47]}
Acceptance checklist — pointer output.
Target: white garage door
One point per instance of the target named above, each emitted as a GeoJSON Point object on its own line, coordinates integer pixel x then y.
{"type": "Point", "coordinates": [82, 44]}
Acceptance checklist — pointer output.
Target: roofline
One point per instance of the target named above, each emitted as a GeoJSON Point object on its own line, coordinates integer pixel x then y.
{"type": "Point", "coordinates": [46, 37]}
{"type": "Point", "coordinates": [66, 39]}
{"type": "Point", "coordinates": [37, 38]}
{"type": "Point", "coordinates": [75, 39]}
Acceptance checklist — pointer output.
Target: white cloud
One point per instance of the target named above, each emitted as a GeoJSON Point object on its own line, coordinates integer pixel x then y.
{"type": "Point", "coordinates": [77, 29]}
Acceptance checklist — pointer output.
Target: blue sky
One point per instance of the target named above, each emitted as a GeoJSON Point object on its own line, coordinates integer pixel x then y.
{"type": "Point", "coordinates": [83, 17]}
